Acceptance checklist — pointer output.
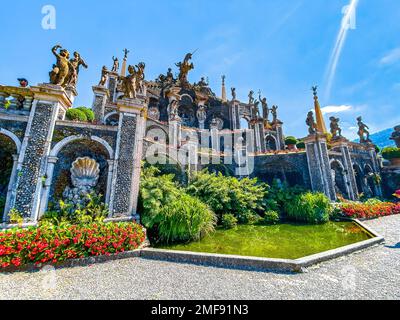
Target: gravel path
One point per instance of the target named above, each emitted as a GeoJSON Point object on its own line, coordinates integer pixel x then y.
{"type": "Point", "coordinates": [371, 274]}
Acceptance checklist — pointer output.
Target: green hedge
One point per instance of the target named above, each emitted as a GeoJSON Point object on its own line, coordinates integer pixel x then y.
{"type": "Point", "coordinates": [88, 112]}
{"type": "Point", "coordinates": [391, 153]}
{"type": "Point", "coordinates": [76, 115]}
{"type": "Point", "coordinates": [291, 140]}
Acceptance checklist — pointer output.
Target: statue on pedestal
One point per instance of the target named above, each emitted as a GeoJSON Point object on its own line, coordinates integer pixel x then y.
{"type": "Point", "coordinates": [265, 108]}
{"type": "Point", "coordinates": [128, 83]}
{"type": "Point", "coordinates": [363, 132]}
{"type": "Point", "coordinates": [201, 114]}
{"type": "Point", "coordinates": [115, 66]}
{"type": "Point", "coordinates": [74, 65]}
{"type": "Point", "coordinates": [310, 121]}
{"type": "Point", "coordinates": [184, 68]}
{"type": "Point", "coordinates": [336, 131]}
{"type": "Point", "coordinates": [233, 91]}
{"type": "Point", "coordinates": [396, 136]}
{"type": "Point", "coordinates": [251, 97]}
{"type": "Point", "coordinates": [274, 112]}
{"type": "Point", "coordinates": [103, 79]}
{"type": "Point", "coordinates": [59, 74]}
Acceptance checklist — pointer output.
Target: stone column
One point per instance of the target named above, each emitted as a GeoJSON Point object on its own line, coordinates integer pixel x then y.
{"type": "Point", "coordinates": [48, 99]}
{"type": "Point", "coordinates": [376, 167]}
{"type": "Point", "coordinates": [259, 135]}
{"type": "Point", "coordinates": [126, 175]}
{"type": "Point", "coordinates": [279, 136]}
{"type": "Point", "coordinates": [318, 165]}
{"type": "Point", "coordinates": [11, 187]}
{"type": "Point", "coordinates": [109, 180]}
{"type": "Point", "coordinates": [235, 118]}
{"type": "Point", "coordinates": [101, 94]}
{"type": "Point", "coordinates": [349, 175]}
{"type": "Point", "coordinates": [51, 162]}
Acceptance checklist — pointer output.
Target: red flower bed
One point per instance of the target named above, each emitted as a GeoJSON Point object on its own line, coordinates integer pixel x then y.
{"type": "Point", "coordinates": [370, 211]}
{"type": "Point", "coordinates": [52, 244]}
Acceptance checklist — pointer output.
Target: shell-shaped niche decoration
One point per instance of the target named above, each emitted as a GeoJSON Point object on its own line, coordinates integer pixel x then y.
{"type": "Point", "coordinates": [85, 172]}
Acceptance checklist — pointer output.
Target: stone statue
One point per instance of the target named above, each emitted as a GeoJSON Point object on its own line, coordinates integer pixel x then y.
{"type": "Point", "coordinates": [115, 66]}
{"type": "Point", "coordinates": [233, 92]}
{"type": "Point", "coordinates": [140, 76]}
{"type": "Point", "coordinates": [251, 97]}
{"type": "Point", "coordinates": [310, 121]}
{"type": "Point", "coordinates": [216, 124]}
{"type": "Point", "coordinates": [396, 136]}
{"type": "Point", "coordinates": [59, 74]}
{"type": "Point", "coordinates": [264, 107]}
{"type": "Point", "coordinates": [202, 82]}
{"type": "Point", "coordinates": [129, 83]}
{"type": "Point", "coordinates": [74, 65]}
{"type": "Point", "coordinates": [173, 110]}
{"type": "Point", "coordinates": [103, 79]}
{"type": "Point", "coordinates": [23, 83]}
{"type": "Point", "coordinates": [201, 114]}
{"type": "Point", "coordinates": [126, 51]}
{"type": "Point", "coordinates": [274, 111]}
{"type": "Point", "coordinates": [363, 132]}
{"type": "Point", "coordinates": [336, 131]}
{"type": "Point", "coordinates": [184, 68]}
{"type": "Point", "coordinates": [256, 110]}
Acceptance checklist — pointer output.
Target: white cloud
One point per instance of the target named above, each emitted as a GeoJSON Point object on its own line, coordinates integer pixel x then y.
{"type": "Point", "coordinates": [391, 57]}
{"type": "Point", "coordinates": [336, 109]}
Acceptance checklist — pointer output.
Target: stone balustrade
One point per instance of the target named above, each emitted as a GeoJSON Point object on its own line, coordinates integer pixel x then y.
{"type": "Point", "coordinates": [19, 98]}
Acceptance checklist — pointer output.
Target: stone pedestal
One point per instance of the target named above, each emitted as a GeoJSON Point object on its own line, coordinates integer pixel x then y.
{"type": "Point", "coordinates": [101, 94]}
{"type": "Point", "coordinates": [318, 165]}
{"type": "Point", "coordinates": [112, 85]}
{"type": "Point", "coordinates": [48, 100]}
{"type": "Point", "coordinates": [127, 165]}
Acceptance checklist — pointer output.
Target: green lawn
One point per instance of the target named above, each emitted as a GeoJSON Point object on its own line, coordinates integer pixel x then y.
{"type": "Point", "coordinates": [287, 241]}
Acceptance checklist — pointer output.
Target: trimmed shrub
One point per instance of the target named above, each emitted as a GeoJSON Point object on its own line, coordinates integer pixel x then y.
{"type": "Point", "coordinates": [310, 208]}
{"type": "Point", "coordinates": [169, 213]}
{"type": "Point", "coordinates": [88, 112]}
{"type": "Point", "coordinates": [229, 195]}
{"type": "Point", "coordinates": [290, 140]}
{"type": "Point", "coordinates": [390, 153]}
{"type": "Point", "coordinates": [229, 221]}
{"type": "Point", "coordinates": [54, 244]}
{"type": "Point", "coordinates": [271, 217]}
{"type": "Point", "coordinates": [301, 145]}
{"type": "Point", "coordinates": [76, 115]}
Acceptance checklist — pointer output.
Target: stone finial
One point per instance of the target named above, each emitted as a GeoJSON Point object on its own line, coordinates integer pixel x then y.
{"type": "Point", "coordinates": [321, 127]}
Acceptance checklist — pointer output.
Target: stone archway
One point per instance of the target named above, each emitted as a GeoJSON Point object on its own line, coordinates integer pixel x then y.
{"type": "Point", "coordinates": [271, 143]}
{"type": "Point", "coordinates": [9, 150]}
{"type": "Point", "coordinates": [60, 161]}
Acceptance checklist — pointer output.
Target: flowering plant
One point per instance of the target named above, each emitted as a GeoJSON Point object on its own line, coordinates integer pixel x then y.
{"type": "Point", "coordinates": [369, 210]}
{"type": "Point", "coordinates": [54, 244]}
{"type": "Point", "coordinates": [397, 194]}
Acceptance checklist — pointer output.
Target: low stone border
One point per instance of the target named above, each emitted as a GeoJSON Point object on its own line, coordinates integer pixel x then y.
{"type": "Point", "coordinates": [262, 264]}
{"type": "Point", "coordinates": [219, 260]}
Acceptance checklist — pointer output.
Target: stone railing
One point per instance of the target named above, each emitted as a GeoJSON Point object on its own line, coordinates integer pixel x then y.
{"type": "Point", "coordinates": [15, 99]}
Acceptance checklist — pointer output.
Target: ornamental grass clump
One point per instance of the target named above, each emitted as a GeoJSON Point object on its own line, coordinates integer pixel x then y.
{"type": "Point", "coordinates": [228, 195]}
{"type": "Point", "coordinates": [169, 213]}
{"type": "Point", "coordinates": [314, 208]}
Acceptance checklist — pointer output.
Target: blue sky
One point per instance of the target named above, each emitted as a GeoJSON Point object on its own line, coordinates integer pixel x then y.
{"type": "Point", "coordinates": [279, 47]}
